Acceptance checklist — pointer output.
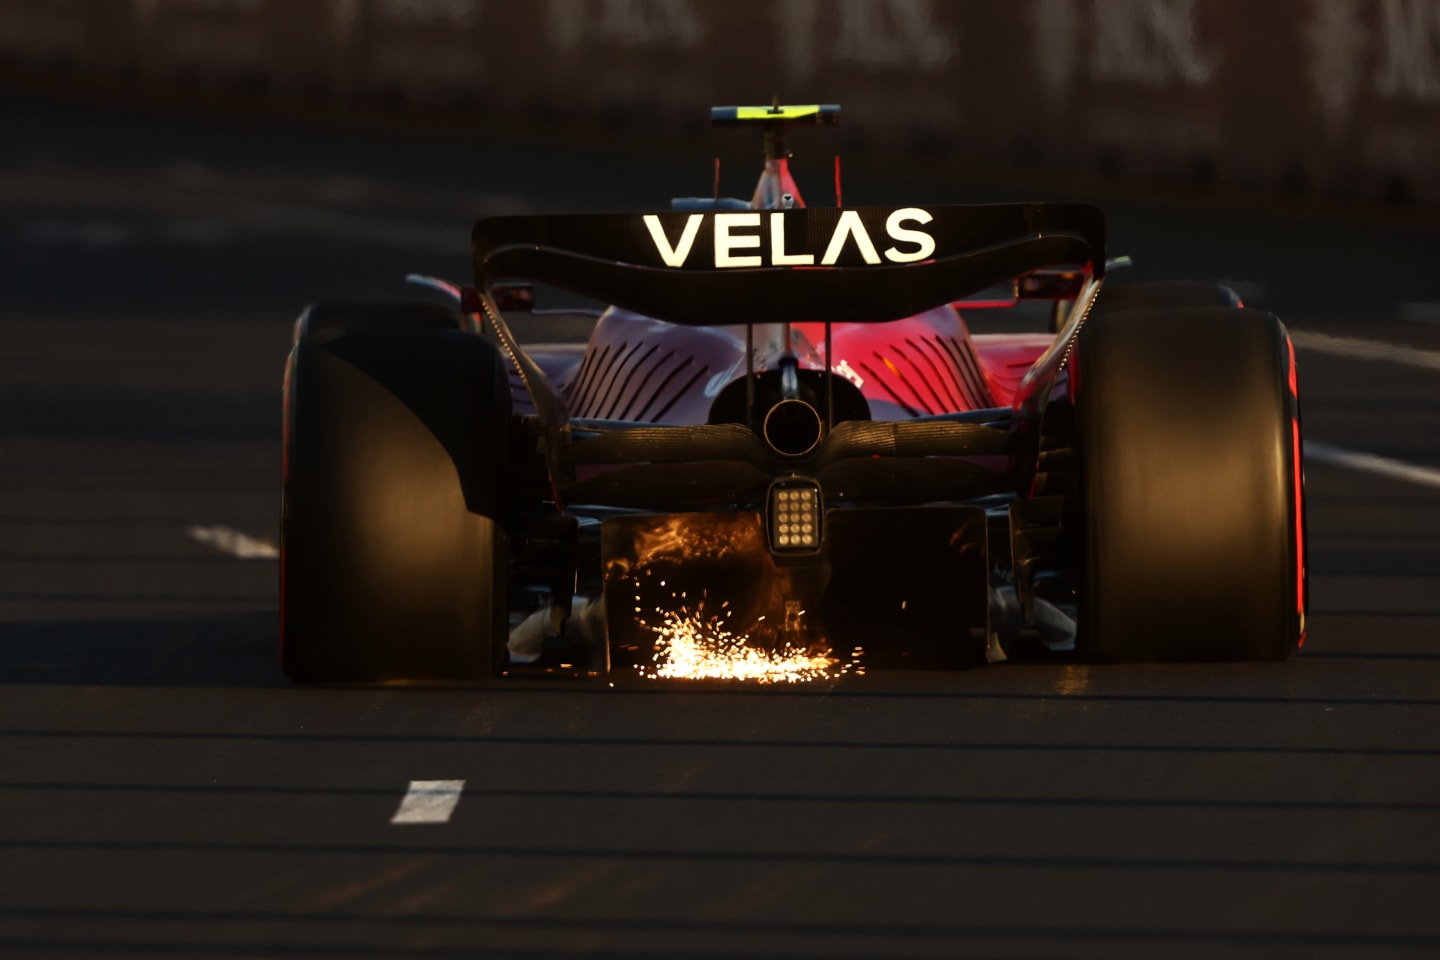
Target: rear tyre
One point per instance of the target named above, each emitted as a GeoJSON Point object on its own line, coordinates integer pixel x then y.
{"type": "Point", "coordinates": [394, 561]}
{"type": "Point", "coordinates": [1165, 293]}
{"type": "Point", "coordinates": [1149, 296]}
{"type": "Point", "coordinates": [324, 318]}
{"type": "Point", "coordinates": [1190, 492]}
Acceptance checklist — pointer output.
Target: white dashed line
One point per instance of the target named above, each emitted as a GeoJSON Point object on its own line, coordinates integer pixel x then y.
{"type": "Point", "coordinates": [429, 801]}
{"type": "Point", "coordinates": [1370, 463]}
{"type": "Point", "coordinates": [232, 541]}
{"type": "Point", "coordinates": [1356, 348]}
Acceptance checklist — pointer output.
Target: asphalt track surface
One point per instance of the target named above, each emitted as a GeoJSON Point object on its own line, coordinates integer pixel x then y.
{"type": "Point", "coordinates": [164, 792]}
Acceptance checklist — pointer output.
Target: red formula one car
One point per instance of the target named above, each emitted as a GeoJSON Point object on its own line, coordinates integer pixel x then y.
{"type": "Point", "coordinates": [782, 455]}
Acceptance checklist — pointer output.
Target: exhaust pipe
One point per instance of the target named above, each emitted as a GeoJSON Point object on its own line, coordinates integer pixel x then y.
{"type": "Point", "coordinates": [792, 428]}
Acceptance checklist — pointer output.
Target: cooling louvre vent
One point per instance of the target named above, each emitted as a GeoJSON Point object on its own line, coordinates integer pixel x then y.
{"type": "Point", "coordinates": [632, 382]}
{"type": "Point", "coordinates": [968, 371]}
{"type": "Point", "coordinates": [930, 375]}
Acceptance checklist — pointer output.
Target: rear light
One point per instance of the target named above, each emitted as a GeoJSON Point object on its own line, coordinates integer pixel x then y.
{"type": "Point", "coordinates": [795, 513]}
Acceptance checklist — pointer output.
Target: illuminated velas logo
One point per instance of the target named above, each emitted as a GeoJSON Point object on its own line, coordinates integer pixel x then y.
{"type": "Point", "coordinates": [739, 241]}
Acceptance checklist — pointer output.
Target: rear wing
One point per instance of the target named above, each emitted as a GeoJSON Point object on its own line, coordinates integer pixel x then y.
{"type": "Point", "coordinates": [829, 265]}
{"type": "Point", "coordinates": [864, 265]}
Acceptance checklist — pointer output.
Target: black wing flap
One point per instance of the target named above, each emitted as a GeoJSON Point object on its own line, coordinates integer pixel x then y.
{"type": "Point", "coordinates": [823, 264]}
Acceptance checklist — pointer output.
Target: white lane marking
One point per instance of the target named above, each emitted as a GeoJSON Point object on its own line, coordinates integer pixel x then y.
{"type": "Point", "coordinates": [429, 801]}
{"type": "Point", "coordinates": [1370, 463]}
{"type": "Point", "coordinates": [1357, 348]}
{"type": "Point", "coordinates": [232, 541]}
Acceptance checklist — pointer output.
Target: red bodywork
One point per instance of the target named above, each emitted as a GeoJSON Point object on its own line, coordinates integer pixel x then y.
{"type": "Point", "coordinates": [639, 369]}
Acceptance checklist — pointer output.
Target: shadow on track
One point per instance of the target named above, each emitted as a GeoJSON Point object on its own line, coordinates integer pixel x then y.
{"type": "Point", "coordinates": [1369, 867]}
{"type": "Point", "coordinates": [685, 744]}
{"type": "Point", "coordinates": [658, 924]}
{"type": "Point", "coordinates": [133, 414]}
{"type": "Point", "coordinates": [729, 796]}
{"type": "Point", "coordinates": [234, 650]}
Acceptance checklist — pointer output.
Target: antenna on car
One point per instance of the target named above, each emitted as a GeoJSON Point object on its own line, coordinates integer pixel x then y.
{"type": "Point", "coordinates": [776, 190]}
{"type": "Point", "coordinates": [776, 120]}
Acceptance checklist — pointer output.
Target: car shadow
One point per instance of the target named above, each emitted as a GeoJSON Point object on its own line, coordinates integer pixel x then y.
{"type": "Point", "coordinates": [225, 650]}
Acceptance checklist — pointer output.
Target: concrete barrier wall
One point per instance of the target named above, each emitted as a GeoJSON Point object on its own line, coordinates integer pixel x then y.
{"type": "Point", "coordinates": [1338, 97]}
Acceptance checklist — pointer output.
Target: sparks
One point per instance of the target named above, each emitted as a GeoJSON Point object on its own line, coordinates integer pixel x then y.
{"type": "Point", "coordinates": [692, 646]}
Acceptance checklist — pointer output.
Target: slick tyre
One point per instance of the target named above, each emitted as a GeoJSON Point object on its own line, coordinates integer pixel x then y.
{"type": "Point", "coordinates": [1168, 294]}
{"type": "Point", "coordinates": [1190, 491]}
{"type": "Point", "coordinates": [1149, 296]}
{"type": "Point", "coordinates": [394, 560]}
